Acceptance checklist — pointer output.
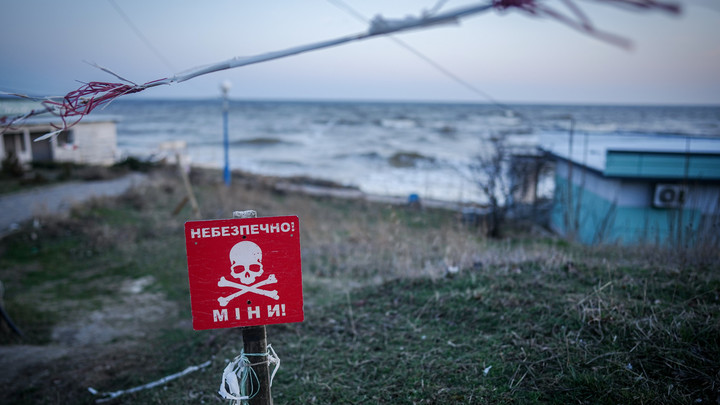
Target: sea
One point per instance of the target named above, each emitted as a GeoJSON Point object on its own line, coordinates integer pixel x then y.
{"type": "Point", "coordinates": [385, 148]}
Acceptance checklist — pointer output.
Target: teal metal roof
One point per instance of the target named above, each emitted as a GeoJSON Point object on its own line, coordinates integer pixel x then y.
{"type": "Point", "coordinates": [639, 156]}
{"type": "Point", "coordinates": [662, 165]}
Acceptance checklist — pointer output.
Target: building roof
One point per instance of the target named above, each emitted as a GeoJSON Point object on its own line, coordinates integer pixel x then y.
{"type": "Point", "coordinates": [639, 156]}
{"type": "Point", "coordinates": [13, 107]}
{"type": "Point", "coordinates": [51, 119]}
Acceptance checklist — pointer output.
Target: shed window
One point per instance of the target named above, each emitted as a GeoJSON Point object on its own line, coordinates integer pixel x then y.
{"type": "Point", "coordinates": [66, 138]}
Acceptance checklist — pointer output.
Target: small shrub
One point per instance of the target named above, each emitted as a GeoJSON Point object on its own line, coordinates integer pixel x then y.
{"type": "Point", "coordinates": [11, 166]}
{"type": "Point", "coordinates": [136, 164]}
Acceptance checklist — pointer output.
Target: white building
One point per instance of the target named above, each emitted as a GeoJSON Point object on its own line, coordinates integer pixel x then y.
{"type": "Point", "coordinates": [92, 141]}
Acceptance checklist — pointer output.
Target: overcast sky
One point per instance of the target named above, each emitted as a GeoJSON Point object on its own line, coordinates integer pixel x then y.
{"type": "Point", "coordinates": [511, 56]}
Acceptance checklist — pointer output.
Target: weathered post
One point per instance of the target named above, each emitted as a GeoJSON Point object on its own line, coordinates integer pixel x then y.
{"type": "Point", "coordinates": [188, 188]}
{"type": "Point", "coordinates": [254, 343]}
{"type": "Point", "coordinates": [570, 230]}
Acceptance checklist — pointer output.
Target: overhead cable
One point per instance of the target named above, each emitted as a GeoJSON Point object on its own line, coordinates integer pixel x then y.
{"type": "Point", "coordinates": [140, 35]}
{"type": "Point", "coordinates": [89, 96]}
{"type": "Point", "coordinates": [350, 10]}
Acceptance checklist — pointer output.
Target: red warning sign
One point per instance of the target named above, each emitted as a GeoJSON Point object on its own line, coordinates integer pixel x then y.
{"type": "Point", "coordinates": [244, 272]}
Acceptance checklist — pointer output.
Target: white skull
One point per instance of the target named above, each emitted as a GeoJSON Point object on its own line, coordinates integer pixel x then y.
{"type": "Point", "coordinates": [246, 256]}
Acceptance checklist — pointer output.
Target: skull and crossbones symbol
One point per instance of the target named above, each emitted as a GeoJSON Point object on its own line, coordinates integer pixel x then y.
{"type": "Point", "coordinates": [246, 257]}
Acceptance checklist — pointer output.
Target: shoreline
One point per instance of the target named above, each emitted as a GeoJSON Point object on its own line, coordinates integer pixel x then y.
{"type": "Point", "coordinates": [315, 187]}
{"type": "Point", "coordinates": [319, 187]}
{"type": "Point", "coordinates": [350, 193]}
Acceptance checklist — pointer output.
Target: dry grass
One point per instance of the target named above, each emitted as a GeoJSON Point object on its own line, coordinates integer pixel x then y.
{"type": "Point", "coordinates": [526, 319]}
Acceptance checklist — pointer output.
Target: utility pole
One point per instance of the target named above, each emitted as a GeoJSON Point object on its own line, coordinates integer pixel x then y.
{"type": "Point", "coordinates": [225, 88]}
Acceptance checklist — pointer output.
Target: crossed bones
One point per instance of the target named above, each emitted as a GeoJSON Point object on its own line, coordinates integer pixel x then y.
{"type": "Point", "coordinates": [242, 289]}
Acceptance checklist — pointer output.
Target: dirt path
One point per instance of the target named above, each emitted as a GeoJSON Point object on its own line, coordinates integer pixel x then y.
{"type": "Point", "coordinates": [116, 325]}
{"type": "Point", "coordinates": [22, 206]}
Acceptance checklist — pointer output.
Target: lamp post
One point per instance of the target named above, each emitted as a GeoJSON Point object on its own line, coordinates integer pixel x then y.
{"type": "Point", "coordinates": [225, 88]}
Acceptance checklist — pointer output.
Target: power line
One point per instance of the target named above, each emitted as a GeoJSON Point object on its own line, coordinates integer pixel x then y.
{"type": "Point", "coordinates": [82, 101]}
{"type": "Point", "coordinates": [140, 35]}
{"type": "Point", "coordinates": [357, 15]}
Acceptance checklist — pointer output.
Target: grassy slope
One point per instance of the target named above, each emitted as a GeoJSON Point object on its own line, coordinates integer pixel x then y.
{"type": "Point", "coordinates": [527, 319]}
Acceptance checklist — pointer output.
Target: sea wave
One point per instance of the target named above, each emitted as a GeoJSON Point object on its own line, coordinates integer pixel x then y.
{"type": "Point", "coordinates": [395, 147]}
{"type": "Point", "coordinates": [261, 141]}
{"type": "Point", "coordinates": [398, 123]}
{"type": "Point", "coordinates": [409, 159]}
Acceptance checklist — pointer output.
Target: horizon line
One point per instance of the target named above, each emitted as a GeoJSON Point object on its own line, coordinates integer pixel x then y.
{"type": "Point", "coordinates": [5, 97]}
